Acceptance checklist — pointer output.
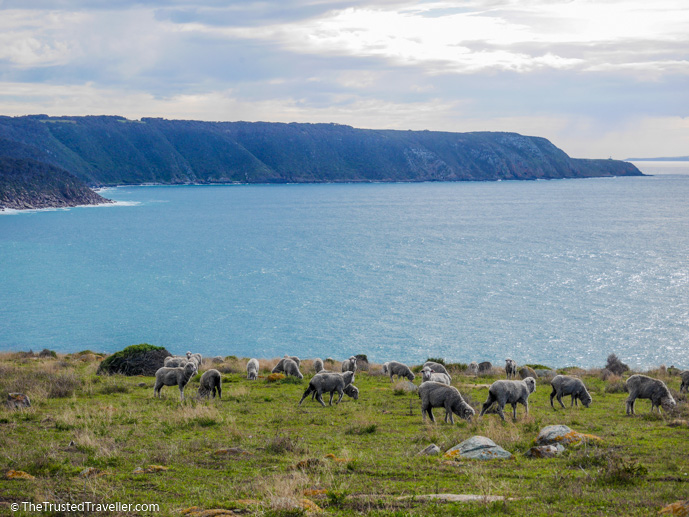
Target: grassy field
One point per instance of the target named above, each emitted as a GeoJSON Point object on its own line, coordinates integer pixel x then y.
{"type": "Point", "coordinates": [256, 452]}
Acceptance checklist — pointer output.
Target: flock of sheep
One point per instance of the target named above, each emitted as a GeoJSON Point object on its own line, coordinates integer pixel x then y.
{"type": "Point", "coordinates": [435, 390]}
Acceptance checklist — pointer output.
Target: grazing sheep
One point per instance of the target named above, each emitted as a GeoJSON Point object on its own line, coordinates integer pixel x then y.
{"type": "Point", "coordinates": [351, 391]}
{"type": "Point", "coordinates": [564, 385]}
{"type": "Point", "coordinates": [290, 368]}
{"type": "Point", "coordinates": [210, 383]}
{"type": "Point", "coordinates": [435, 394]}
{"type": "Point", "coordinates": [385, 368]}
{"type": "Point", "coordinates": [349, 365]}
{"type": "Point", "coordinates": [511, 368]}
{"type": "Point", "coordinates": [330, 383]}
{"type": "Point", "coordinates": [294, 358]}
{"type": "Point", "coordinates": [252, 369]}
{"type": "Point", "coordinates": [684, 387]}
{"type": "Point", "coordinates": [399, 369]}
{"type": "Point", "coordinates": [318, 365]}
{"type": "Point", "coordinates": [485, 367]}
{"type": "Point", "coordinates": [174, 376]}
{"type": "Point", "coordinates": [437, 368]}
{"type": "Point", "coordinates": [429, 375]}
{"type": "Point", "coordinates": [195, 357]}
{"type": "Point", "coordinates": [510, 392]}
{"type": "Point", "coordinates": [280, 367]}
{"type": "Point", "coordinates": [643, 387]}
{"type": "Point", "coordinates": [473, 368]}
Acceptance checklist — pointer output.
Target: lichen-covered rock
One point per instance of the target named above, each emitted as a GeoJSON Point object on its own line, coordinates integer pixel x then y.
{"type": "Point", "coordinates": [554, 434]}
{"type": "Point", "coordinates": [478, 448]}
{"type": "Point", "coordinates": [17, 401]}
{"type": "Point", "coordinates": [545, 451]}
{"type": "Point", "coordinates": [407, 386]}
{"type": "Point", "coordinates": [527, 371]}
{"type": "Point", "coordinates": [18, 474]}
{"type": "Point", "coordinates": [431, 450]}
{"type": "Point", "coordinates": [680, 509]}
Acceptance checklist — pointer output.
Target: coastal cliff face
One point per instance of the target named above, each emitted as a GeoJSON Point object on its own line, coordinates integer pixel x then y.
{"type": "Point", "coordinates": [113, 151]}
{"type": "Point", "coordinates": [27, 184]}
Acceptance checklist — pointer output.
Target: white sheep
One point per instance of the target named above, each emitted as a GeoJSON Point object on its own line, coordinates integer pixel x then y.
{"type": "Point", "coordinates": [174, 376]}
{"type": "Point", "coordinates": [210, 383]}
{"type": "Point", "coordinates": [437, 368]}
{"type": "Point", "coordinates": [511, 368]}
{"type": "Point", "coordinates": [564, 385]}
{"type": "Point", "coordinates": [429, 375]}
{"type": "Point", "coordinates": [349, 365]}
{"type": "Point", "coordinates": [473, 368]}
{"type": "Point", "coordinates": [318, 365]}
{"type": "Point", "coordinates": [643, 387]}
{"type": "Point", "coordinates": [291, 368]}
{"type": "Point", "coordinates": [385, 368]}
{"type": "Point", "coordinates": [509, 392]}
{"type": "Point", "coordinates": [252, 369]}
{"type": "Point", "coordinates": [399, 369]}
{"type": "Point", "coordinates": [329, 383]}
{"type": "Point", "coordinates": [435, 394]}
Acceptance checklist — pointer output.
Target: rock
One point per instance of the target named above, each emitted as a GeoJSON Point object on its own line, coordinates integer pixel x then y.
{"type": "Point", "coordinates": [478, 448]}
{"type": "Point", "coordinates": [561, 434]}
{"type": "Point", "coordinates": [18, 474]}
{"type": "Point", "coordinates": [485, 367]}
{"type": "Point", "coordinates": [680, 508]}
{"type": "Point", "coordinates": [527, 371]}
{"type": "Point", "coordinates": [407, 386]}
{"type": "Point", "coordinates": [217, 360]}
{"type": "Point", "coordinates": [545, 451]}
{"type": "Point", "coordinates": [545, 374]}
{"type": "Point", "coordinates": [431, 450]}
{"type": "Point", "coordinates": [17, 401]}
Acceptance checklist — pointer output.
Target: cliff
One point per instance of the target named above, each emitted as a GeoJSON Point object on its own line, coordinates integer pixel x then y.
{"type": "Point", "coordinates": [26, 183]}
{"type": "Point", "coordinates": [104, 150]}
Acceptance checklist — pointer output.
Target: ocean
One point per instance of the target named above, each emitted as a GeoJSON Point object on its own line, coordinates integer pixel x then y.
{"type": "Point", "coordinates": [560, 272]}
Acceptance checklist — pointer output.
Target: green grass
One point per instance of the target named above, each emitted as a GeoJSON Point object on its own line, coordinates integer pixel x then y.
{"type": "Point", "coordinates": [257, 452]}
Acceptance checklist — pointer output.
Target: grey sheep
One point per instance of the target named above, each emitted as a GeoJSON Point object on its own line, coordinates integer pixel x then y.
{"type": "Point", "coordinates": [564, 385]}
{"type": "Point", "coordinates": [643, 387]}
{"type": "Point", "coordinates": [473, 368]}
{"type": "Point", "coordinates": [174, 376]}
{"type": "Point", "coordinates": [437, 368]}
{"type": "Point", "coordinates": [511, 368]}
{"type": "Point", "coordinates": [399, 369]}
{"type": "Point", "coordinates": [485, 367]}
{"type": "Point", "coordinates": [684, 387]}
{"type": "Point", "coordinates": [252, 369]}
{"type": "Point", "coordinates": [385, 368]}
{"type": "Point", "coordinates": [195, 357]}
{"type": "Point", "coordinates": [318, 365]}
{"type": "Point", "coordinates": [175, 361]}
{"type": "Point", "coordinates": [435, 394]}
{"type": "Point", "coordinates": [280, 367]}
{"type": "Point", "coordinates": [349, 365]}
{"type": "Point", "coordinates": [210, 383]}
{"type": "Point", "coordinates": [291, 368]}
{"type": "Point", "coordinates": [429, 375]}
{"type": "Point", "coordinates": [510, 392]}
{"type": "Point", "coordinates": [329, 383]}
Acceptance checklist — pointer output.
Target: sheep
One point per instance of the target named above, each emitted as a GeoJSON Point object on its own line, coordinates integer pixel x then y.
{"type": "Point", "coordinates": [280, 367]}
{"type": "Point", "coordinates": [485, 367]}
{"type": "Point", "coordinates": [349, 365]}
{"type": "Point", "coordinates": [473, 368]}
{"type": "Point", "coordinates": [435, 394]}
{"type": "Point", "coordinates": [291, 368]}
{"type": "Point", "coordinates": [684, 387]}
{"type": "Point", "coordinates": [294, 358]}
{"type": "Point", "coordinates": [174, 376]}
{"type": "Point", "coordinates": [210, 383]}
{"type": "Point", "coordinates": [175, 361]}
{"type": "Point", "coordinates": [385, 368]}
{"type": "Point", "coordinates": [330, 383]}
{"type": "Point", "coordinates": [195, 357]}
{"type": "Point", "coordinates": [511, 368]}
{"type": "Point", "coordinates": [643, 387]}
{"type": "Point", "coordinates": [509, 392]}
{"type": "Point", "coordinates": [437, 368]}
{"type": "Point", "coordinates": [429, 375]}
{"type": "Point", "coordinates": [564, 385]}
{"type": "Point", "coordinates": [318, 365]}
{"type": "Point", "coordinates": [252, 369]}
{"type": "Point", "coordinates": [399, 369]}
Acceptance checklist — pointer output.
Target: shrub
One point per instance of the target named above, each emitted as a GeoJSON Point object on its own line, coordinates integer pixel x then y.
{"type": "Point", "coordinates": [615, 365]}
{"type": "Point", "coordinates": [142, 359]}
{"type": "Point", "coordinates": [438, 360]}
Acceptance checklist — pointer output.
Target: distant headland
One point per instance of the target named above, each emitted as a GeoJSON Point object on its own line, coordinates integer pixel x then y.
{"type": "Point", "coordinates": [112, 150]}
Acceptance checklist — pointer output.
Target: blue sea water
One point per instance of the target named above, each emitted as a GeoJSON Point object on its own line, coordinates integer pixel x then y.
{"type": "Point", "coordinates": [554, 272]}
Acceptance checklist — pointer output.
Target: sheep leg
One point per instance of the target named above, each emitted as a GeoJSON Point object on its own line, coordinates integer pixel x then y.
{"type": "Point", "coordinates": [332, 393]}
{"type": "Point", "coordinates": [630, 405]}
{"type": "Point", "coordinates": [220, 390]}
{"type": "Point", "coordinates": [319, 397]}
{"type": "Point", "coordinates": [429, 410]}
{"type": "Point", "coordinates": [501, 412]}
{"type": "Point", "coordinates": [181, 393]}
{"type": "Point", "coordinates": [552, 396]}
{"type": "Point", "coordinates": [306, 394]}
{"type": "Point", "coordinates": [526, 406]}
{"type": "Point", "coordinates": [487, 404]}
{"type": "Point", "coordinates": [514, 411]}
{"type": "Point", "coordinates": [559, 399]}
{"type": "Point", "coordinates": [575, 400]}
{"type": "Point", "coordinates": [341, 392]}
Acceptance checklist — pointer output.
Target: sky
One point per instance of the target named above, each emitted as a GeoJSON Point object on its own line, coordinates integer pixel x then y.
{"type": "Point", "coordinates": [598, 78]}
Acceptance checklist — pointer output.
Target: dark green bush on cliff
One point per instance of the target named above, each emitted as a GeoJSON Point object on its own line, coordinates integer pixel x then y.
{"type": "Point", "coordinates": [143, 359]}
